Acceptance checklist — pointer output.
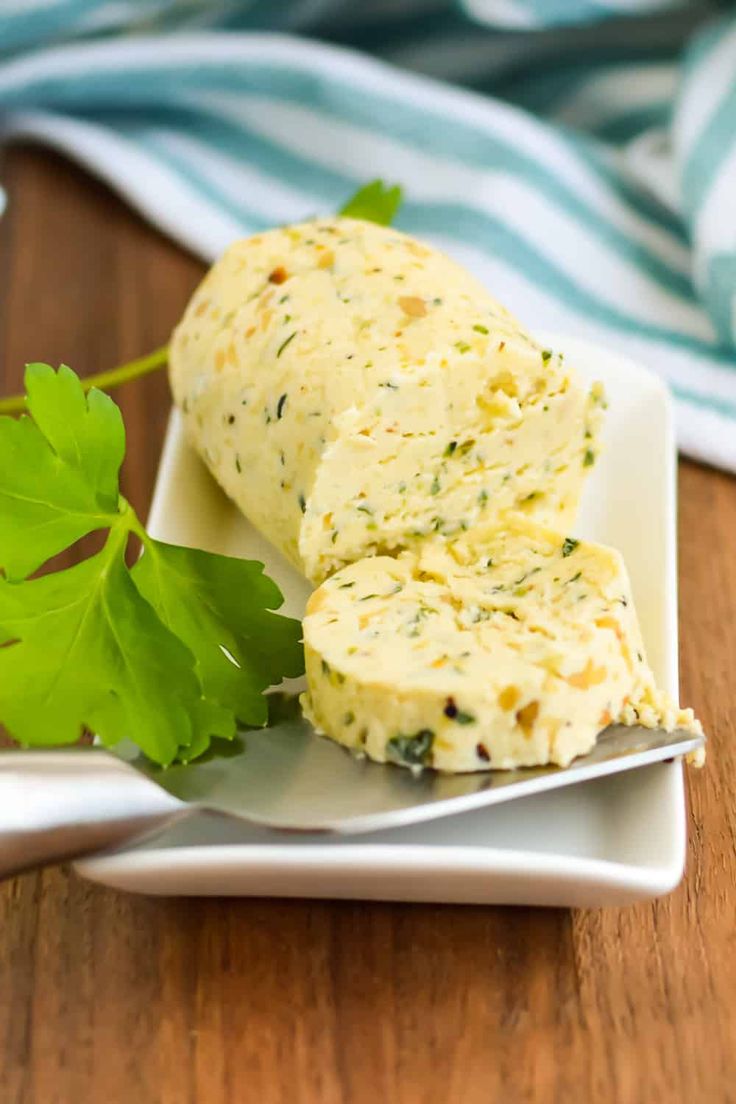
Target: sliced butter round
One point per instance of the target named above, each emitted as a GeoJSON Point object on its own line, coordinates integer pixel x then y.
{"type": "Point", "coordinates": [355, 391]}
{"type": "Point", "coordinates": [514, 650]}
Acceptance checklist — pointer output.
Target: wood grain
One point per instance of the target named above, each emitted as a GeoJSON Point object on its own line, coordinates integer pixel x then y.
{"type": "Point", "coordinates": [118, 999]}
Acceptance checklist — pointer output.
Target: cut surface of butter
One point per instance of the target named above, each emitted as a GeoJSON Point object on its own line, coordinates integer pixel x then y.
{"type": "Point", "coordinates": [356, 392]}
{"type": "Point", "coordinates": [513, 647]}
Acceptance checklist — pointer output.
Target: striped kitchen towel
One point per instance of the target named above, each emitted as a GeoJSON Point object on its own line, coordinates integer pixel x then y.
{"type": "Point", "coordinates": [579, 155]}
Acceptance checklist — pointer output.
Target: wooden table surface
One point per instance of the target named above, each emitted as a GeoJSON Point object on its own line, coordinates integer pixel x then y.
{"type": "Point", "coordinates": [114, 999]}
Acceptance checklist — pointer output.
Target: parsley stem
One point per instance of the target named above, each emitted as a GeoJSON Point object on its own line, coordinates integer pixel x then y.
{"type": "Point", "coordinates": [105, 381]}
{"type": "Point", "coordinates": [135, 525]}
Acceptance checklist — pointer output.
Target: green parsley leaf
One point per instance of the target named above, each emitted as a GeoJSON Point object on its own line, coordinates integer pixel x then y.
{"type": "Point", "coordinates": [168, 654]}
{"type": "Point", "coordinates": [374, 202]}
{"type": "Point", "coordinates": [59, 471]}
{"type": "Point", "coordinates": [221, 609]}
{"type": "Point", "coordinates": [91, 652]}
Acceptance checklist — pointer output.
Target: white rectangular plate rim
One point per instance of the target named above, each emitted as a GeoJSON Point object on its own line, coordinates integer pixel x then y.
{"type": "Point", "coordinates": [403, 869]}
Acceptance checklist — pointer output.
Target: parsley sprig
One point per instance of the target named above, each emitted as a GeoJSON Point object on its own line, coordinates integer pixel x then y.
{"type": "Point", "coordinates": [375, 202]}
{"type": "Point", "coordinates": [168, 653]}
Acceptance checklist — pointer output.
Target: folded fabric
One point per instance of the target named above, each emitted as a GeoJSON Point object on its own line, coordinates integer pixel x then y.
{"type": "Point", "coordinates": [586, 174]}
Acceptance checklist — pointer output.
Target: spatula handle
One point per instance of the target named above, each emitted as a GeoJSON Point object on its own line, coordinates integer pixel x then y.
{"type": "Point", "coordinates": [58, 805]}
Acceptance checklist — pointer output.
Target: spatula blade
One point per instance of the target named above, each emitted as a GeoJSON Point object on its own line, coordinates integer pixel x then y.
{"type": "Point", "coordinates": [287, 777]}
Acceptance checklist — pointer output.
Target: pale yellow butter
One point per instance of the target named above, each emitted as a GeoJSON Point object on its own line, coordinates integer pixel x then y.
{"type": "Point", "coordinates": [513, 647]}
{"type": "Point", "coordinates": [355, 392]}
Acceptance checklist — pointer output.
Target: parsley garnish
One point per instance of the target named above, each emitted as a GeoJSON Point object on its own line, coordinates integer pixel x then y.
{"type": "Point", "coordinates": [374, 202]}
{"type": "Point", "coordinates": [162, 653]}
{"type": "Point", "coordinates": [569, 545]}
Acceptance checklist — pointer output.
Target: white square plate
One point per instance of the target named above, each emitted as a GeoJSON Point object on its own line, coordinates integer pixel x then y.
{"type": "Point", "coordinates": [607, 842]}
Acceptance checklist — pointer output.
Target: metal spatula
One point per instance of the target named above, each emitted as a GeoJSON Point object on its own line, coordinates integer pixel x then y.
{"type": "Point", "coordinates": [57, 805]}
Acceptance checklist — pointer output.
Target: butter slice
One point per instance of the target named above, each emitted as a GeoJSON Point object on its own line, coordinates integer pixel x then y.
{"type": "Point", "coordinates": [510, 648]}
{"type": "Point", "coordinates": [356, 392]}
